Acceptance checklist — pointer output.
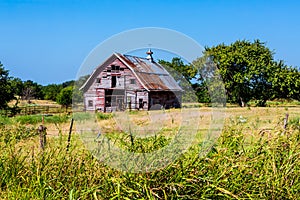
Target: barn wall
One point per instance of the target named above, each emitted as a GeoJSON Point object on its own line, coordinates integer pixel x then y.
{"type": "Point", "coordinates": [164, 99]}
{"type": "Point", "coordinates": [116, 78]}
{"type": "Point", "coordinates": [137, 100]}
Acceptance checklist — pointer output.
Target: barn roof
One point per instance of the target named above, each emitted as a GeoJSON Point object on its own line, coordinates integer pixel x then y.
{"type": "Point", "coordinates": [152, 75]}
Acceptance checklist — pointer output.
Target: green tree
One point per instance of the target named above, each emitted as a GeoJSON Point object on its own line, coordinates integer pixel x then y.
{"type": "Point", "coordinates": [182, 70]}
{"type": "Point", "coordinates": [51, 91]}
{"type": "Point", "coordinates": [31, 90]}
{"type": "Point", "coordinates": [68, 83]}
{"type": "Point", "coordinates": [286, 82]}
{"type": "Point", "coordinates": [246, 69]}
{"type": "Point", "coordinates": [185, 75]}
{"type": "Point", "coordinates": [64, 98]}
{"type": "Point", "coordinates": [6, 90]}
{"type": "Point", "coordinates": [78, 93]}
{"type": "Point", "coordinates": [17, 85]}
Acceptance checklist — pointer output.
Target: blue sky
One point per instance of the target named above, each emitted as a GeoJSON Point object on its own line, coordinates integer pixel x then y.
{"type": "Point", "coordinates": [47, 41]}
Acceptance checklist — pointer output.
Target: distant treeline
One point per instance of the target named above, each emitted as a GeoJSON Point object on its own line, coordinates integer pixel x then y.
{"type": "Point", "coordinates": [12, 88]}
{"type": "Point", "coordinates": [247, 69]}
{"type": "Point", "coordinates": [28, 90]}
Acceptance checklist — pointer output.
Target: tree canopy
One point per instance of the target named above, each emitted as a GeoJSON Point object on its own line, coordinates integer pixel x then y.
{"type": "Point", "coordinates": [6, 89]}
{"type": "Point", "coordinates": [64, 98]}
{"type": "Point", "coordinates": [249, 72]}
{"type": "Point", "coordinates": [183, 75]}
{"type": "Point", "coordinates": [247, 69]}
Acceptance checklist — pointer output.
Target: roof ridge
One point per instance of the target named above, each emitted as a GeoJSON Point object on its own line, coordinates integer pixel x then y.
{"type": "Point", "coordinates": [136, 56]}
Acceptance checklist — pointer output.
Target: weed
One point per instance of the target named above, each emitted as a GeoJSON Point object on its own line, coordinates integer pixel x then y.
{"type": "Point", "coordinates": [36, 119]}
{"type": "Point", "coordinates": [262, 167]}
{"type": "Point", "coordinates": [101, 115]}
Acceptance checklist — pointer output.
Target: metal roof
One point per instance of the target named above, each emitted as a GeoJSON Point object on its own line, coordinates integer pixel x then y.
{"type": "Point", "coordinates": [152, 75]}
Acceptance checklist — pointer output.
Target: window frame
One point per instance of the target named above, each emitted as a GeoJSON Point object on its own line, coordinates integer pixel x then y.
{"type": "Point", "coordinates": [90, 103]}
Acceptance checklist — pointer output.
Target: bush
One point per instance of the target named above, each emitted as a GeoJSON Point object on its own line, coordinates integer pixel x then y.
{"type": "Point", "coordinates": [4, 120]}
{"type": "Point", "coordinates": [101, 115]}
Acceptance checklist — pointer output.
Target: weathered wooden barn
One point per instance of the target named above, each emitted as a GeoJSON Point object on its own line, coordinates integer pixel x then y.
{"type": "Point", "coordinates": [130, 82]}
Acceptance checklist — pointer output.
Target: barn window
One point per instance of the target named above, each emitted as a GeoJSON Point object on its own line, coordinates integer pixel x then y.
{"type": "Point", "coordinates": [132, 81]}
{"type": "Point", "coordinates": [108, 69]}
{"type": "Point", "coordinates": [90, 103]}
{"type": "Point", "coordinates": [98, 80]}
{"type": "Point", "coordinates": [115, 69]}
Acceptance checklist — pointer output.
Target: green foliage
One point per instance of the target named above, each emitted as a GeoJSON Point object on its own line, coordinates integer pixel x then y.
{"type": "Point", "coordinates": [4, 120]}
{"type": "Point", "coordinates": [286, 82]}
{"type": "Point", "coordinates": [238, 167]}
{"type": "Point", "coordinates": [139, 145]}
{"type": "Point", "coordinates": [68, 83]}
{"type": "Point", "coordinates": [184, 75]}
{"type": "Point", "coordinates": [65, 96]}
{"type": "Point", "coordinates": [250, 72]}
{"type": "Point", "coordinates": [28, 89]}
{"type": "Point", "coordinates": [37, 119]}
{"type": "Point", "coordinates": [295, 123]}
{"type": "Point", "coordinates": [51, 91]}
{"type": "Point", "coordinates": [17, 85]}
{"type": "Point", "coordinates": [34, 119]}
{"type": "Point", "coordinates": [29, 119]}
{"type": "Point", "coordinates": [245, 68]}
{"type": "Point", "coordinates": [77, 93]}
{"type": "Point", "coordinates": [31, 90]}
{"type": "Point", "coordinates": [101, 115]}
{"type": "Point", "coordinates": [11, 133]}
{"type": "Point", "coordinates": [6, 90]}
{"type": "Point", "coordinates": [81, 116]}
{"type": "Point", "coordinates": [201, 92]}
{"type": "Point", "coordinates": [182, 70]}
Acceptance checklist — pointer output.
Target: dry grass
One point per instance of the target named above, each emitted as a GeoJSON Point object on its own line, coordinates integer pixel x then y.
{"type": "Point", "coordinates": [35, 101]}
{"type": "Point", "coordinates": [252, 159]}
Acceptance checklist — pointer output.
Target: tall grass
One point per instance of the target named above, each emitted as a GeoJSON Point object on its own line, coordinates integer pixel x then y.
{"type": "Point", "coordinates": [258, 166]}
{"type": "Point", "coordinates": [35, 119]}
{"type": "Point", "coordinates": [16, 133]}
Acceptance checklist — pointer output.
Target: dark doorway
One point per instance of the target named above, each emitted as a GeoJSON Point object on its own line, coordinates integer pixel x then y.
{"type": "Point", "coordinates": [140, 103]}
{"type": "Point", "coordinates": [113, 81]}
{"type": "Point", "coordinates": [120, 102]}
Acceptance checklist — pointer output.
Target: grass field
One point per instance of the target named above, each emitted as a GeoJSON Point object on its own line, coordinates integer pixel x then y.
{"type": "Point", "coordinates": [255, 157]}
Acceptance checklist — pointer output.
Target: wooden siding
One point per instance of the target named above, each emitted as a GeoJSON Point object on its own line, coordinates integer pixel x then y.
{"type": "Point", "coordinates": [115, 86]}
{"type": "Point", "coordinates": [117, 78]}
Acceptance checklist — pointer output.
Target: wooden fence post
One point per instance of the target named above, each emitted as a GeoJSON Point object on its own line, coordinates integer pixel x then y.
{"type": "Point", "coordinates": [70, 132]}
{"type": "Point", "coordinates": [42, 133]}
{"type": "Point", "coordinates": [285, 123]}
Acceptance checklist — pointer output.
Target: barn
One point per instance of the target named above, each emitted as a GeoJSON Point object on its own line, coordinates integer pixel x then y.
{"type": "Point", "coordinates": [129, 82]}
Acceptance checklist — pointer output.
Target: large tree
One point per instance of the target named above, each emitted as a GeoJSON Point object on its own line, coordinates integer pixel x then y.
{"type": "Point", "coordinates": [246, 69]}
{"type": "Point", "coordinates": [64, 98]}
{"type": "Point", "coordinates": [286, 82]}
{"type": "Point", "coordinates": [31, 90]}
{"type": "Point", "coordinates": [6, 90]}
{"type": "Point", "coordinates": [18, 86]}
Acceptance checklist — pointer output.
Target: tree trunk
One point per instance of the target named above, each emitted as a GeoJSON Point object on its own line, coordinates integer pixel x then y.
{"type": "Point", "coordinates": [242, 102]}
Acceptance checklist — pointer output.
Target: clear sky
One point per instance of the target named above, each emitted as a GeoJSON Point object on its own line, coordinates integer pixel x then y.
{"type": "Point", "coordinates": [47, 40]}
